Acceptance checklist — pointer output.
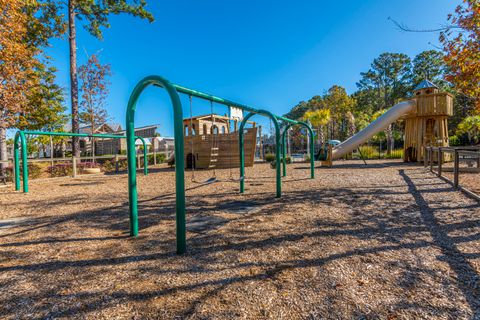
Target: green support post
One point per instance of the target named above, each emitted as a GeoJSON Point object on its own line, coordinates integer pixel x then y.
{"type": "Point", "coordinates": [145, 154]}
{"type": "Point", "coordinates": [179, 156]}
{"type": "Point", "coordinates": [284, 150]}
{"type": "Point", "coordinates": [20, 135]}
{"type": "Point", "coordinates": [277, 150]}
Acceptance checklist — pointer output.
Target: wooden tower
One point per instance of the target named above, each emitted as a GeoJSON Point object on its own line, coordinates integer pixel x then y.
{"type": "Point", "coordinates": [427, 124]}
{"type": "Point", "coordinates": [210, 144]}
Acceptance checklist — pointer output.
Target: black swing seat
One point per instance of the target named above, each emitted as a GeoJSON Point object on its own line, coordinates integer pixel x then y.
{"type": "Point", "coordinates": [212, 179]}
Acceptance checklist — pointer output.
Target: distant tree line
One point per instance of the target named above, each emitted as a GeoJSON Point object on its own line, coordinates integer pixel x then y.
{"type": "Point", "coordinates": [391, 78]}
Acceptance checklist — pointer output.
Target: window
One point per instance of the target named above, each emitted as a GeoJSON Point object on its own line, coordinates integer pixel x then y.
{"type": "Point", "coordinates": [205, 128]}
{"type": "Point", "coordinates": [186, 130]}
{"type": "Point", "coordinates": [214, 129]}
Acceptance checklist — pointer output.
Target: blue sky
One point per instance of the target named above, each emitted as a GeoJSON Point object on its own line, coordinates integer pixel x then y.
{"type": "Point", "coordinates": [264, 53]}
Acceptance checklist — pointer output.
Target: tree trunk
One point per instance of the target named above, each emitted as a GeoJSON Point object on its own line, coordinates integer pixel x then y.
{"type": "Point", "coordinates": [389, 132]}
{"type": "Point", "coordinates": [93, 150]}
{"type": "Point", "coordinates": [73, 76]}
{"type": "Point", "coordinates": [64, 147]}
{"type": "Point", "coordinates": [321, 136]}
{"type": "Point", "coordinates": [3, 149]}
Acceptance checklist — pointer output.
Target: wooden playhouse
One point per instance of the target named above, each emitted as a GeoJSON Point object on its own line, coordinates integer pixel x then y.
{"type": "Point", "coordinates": [210, 143]}
{"type": "Point", "coordinates": [427, 125]}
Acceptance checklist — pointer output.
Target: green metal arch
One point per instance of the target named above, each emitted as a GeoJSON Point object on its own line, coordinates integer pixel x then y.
{"type": "Point", "coordinates": [179, 154]}
{"type": "Point", "coordinates": [277, 149]}
{"type": "Point", "coordinates": [312, 147]}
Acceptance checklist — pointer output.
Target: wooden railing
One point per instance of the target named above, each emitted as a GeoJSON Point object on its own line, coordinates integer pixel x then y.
{"type": "Point", "coordinates": [436, 154]}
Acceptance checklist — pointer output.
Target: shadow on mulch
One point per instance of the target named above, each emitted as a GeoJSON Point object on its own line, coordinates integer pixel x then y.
{"type": "Point", "coordinates": [392, 228]}
{"type": "Point", "coordinates": [467, 278]}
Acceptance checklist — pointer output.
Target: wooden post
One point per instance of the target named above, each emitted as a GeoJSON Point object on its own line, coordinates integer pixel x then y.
{"type": "Point", "coordinates": [456, 168]}
{"type": "Point", "coordinates": [261, 151]}
{"type": "Point", "coordinates": [439, 162]}
{"type": "Point", "coordinates": [154, 154]}
{"type": "Point", "coordinates": [116, 164]}
{"type": "Point", "coordinates": [425, 157]}
{"type": "Point", "coordinates": [430, 157]}
{"type": "Point", "coordinates": [13, 173]}
{"type": "Point", "coordinates": [74, 166]}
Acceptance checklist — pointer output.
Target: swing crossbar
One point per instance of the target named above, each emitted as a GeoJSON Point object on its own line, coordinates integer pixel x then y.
{"type": "Point", "coordinates": [226, 102]}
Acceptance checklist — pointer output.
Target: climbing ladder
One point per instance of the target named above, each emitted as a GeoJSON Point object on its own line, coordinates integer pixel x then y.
{"type": "Point", "coordinates": [213, 155]}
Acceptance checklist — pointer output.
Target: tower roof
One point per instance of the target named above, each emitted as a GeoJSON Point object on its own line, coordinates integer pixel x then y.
{"type": "Point", "coordinates": [425, 84]}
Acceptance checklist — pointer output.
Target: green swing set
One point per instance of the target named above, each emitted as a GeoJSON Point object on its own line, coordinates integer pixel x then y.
{"type": "Point", "coordinates": [173, 91]}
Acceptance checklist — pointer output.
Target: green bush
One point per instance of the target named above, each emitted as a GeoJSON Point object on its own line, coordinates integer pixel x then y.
{"type": "Point", "coordinates": [269, 157]}
{"type": "Point", "coordinates": [160, 158]}
{"type": "Point", "coordinates": [454, 141]}
{"type": "Point", "coordinates": [396, 154]}
{"type": "Point", "coordinates": [8, 173]}
{"type": "Point", "coordinates": [288, 160]}
{"type": "Point", "coordinates": [372, 152]}
{"type": "Point", "coordinates": [109, 165]}
{"type": "Point", "coordinates": [34, 171]}
{"type": "Point", "coordinates": [369, 152]}
{"type": "Point", "coordinates": [60, 170]}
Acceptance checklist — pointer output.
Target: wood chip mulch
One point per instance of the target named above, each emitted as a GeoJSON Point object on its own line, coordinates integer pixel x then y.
{"type": "Point", "coordinates": [382, 241]}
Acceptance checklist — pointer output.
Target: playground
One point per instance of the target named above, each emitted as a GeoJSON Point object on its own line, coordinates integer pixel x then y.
{"type": "Point", "coordinates": [388, 240]}
{"type": "Point", "coordinates": [240, 160]}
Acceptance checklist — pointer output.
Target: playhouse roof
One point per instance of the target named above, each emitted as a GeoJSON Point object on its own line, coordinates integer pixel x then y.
{"type": "Point", "coordinates": [425, 84]}
{"type": "Point", "coordinates": [208, 117]}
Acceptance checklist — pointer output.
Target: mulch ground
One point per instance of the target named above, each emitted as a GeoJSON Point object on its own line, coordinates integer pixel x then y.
{"type": "Point", "coordinates": [383, 241]}
{"type": "Point", "coordinates": [469, 177]}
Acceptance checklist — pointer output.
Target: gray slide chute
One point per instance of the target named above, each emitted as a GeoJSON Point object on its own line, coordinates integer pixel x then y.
{"type": "Point", "coordinates": [382, 122]}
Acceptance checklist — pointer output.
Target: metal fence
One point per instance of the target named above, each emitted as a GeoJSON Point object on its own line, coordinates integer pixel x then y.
{"type": "Point", "coordinates": [374, 150]}
{"type": "Point", "coordinates": [459, 166]}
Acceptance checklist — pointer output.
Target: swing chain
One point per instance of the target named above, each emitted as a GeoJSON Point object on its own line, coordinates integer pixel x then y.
{"type": "Point", "coordinates": [193, 158]}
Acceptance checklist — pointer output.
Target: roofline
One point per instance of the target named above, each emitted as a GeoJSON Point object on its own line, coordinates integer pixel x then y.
{"type": "Point", "coordinates": [144, 127]}
{"type": "Point", "coordinates": [207, 116]}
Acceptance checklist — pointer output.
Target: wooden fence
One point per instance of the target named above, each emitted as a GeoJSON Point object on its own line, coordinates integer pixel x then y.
{"type": "Point", "coordinates": [435, 159]}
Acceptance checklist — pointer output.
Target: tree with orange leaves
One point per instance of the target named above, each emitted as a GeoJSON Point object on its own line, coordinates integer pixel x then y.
{"type": "Point", "coordinates": [461, 43]}
{"type": "Point", "coordinates": [29, 98]}
{"type": "Point", "coordinates": [17, 62]}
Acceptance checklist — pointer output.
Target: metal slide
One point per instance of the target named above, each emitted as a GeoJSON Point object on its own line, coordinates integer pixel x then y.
{"type": "Point", "coordinates": [382, 122]}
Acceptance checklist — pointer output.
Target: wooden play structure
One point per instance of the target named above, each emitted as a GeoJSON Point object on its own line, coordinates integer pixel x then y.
{"type": "Point", "coordinates": [426, 125]}
{"type": "Point", "coordinates": [210, 144]}
{"type": "Point", "coordinates": [425, 116]}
